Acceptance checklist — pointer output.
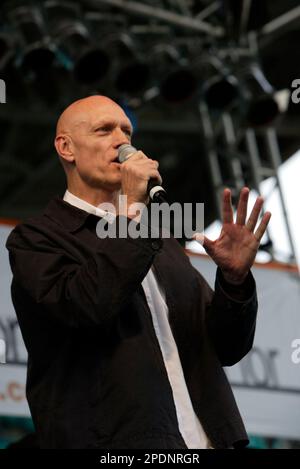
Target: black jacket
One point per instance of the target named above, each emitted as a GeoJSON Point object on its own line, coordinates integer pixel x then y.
{"type": "Point", "coordinates": [96, 377]}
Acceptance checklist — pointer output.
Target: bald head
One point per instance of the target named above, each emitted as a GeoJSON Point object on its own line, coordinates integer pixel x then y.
{"type": "Point", "coordinates": [88, 135]}
{"type": "Point", "coordinates": [80, 112]}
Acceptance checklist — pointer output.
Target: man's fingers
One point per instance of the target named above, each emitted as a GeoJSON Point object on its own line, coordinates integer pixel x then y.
{"type": "Point", "coordinates": [227, 207]}
{"type": "Point", "coordinates": [136, 156]}
{"type": "Point", "coordinates": [262, 226]}
{"type": "Point", "coordinates": [204, 241]}
{"type": "Point", "coordinates": [251, 223]}
{"type": "Point", "coordinates": [199, 237]}
{"type": "Point", "coordinates": [242, 206]}
{"type": "Point", "coordinates": [155, 175]}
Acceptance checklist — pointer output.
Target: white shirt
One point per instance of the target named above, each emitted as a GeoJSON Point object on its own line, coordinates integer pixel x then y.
{"type": "Point", "coordinates": [188, 423]}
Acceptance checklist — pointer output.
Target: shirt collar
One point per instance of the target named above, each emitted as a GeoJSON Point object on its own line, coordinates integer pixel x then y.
{"type": "Point", "coordinates": [87, 207]}
{"type": "Point", "coordinates": [71, 212]}
{"type": "Point", "coordinates": [83, 205]}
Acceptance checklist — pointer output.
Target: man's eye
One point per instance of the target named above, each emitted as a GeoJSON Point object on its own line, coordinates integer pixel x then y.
{"type": "Point", "coordinates": [127, 132]}
{"type": "Point", "coordinates": [103, 129]}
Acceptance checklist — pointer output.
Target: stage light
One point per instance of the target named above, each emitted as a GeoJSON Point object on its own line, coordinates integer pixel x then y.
{"type": "Point", "coordinates": [220, 92]}
{"type": "Point", "coordinates": [262, 111]}
{"type": "Point", "coordinates": [77, 50]}
{"type": "Point", "coordinates": [131, 72]}
{"type": "Point", "coordinates": [37, 52]}
{"type": "Point", "coordinates": [176, 79]}
{"type": "Point", "coordinates": [7, 47]}
{"type": "Point", "coordinates": [178, 85]}
{"type": "Point", "coordinates": [261, 106]}
{"type": "Point", "coordinates": [243, 88]}
{"type": "Point", "coordinates": [133, 77]}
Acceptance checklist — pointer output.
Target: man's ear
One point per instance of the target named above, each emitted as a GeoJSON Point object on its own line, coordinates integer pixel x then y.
{"type": "Point", "coordinates": [64, 147]}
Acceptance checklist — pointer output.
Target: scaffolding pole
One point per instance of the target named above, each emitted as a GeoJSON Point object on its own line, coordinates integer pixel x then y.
{"type": "Point", "coordinates": [231, 152]}
{"type": "Point", "coordinates": [212, 156]}
{"type": "Point", "coordinates": [275, 160]}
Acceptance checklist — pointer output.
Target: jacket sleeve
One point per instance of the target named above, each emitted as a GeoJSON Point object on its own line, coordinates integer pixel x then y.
{"type": "Point", "coordinates": [230, 316]}
{"type": "Point", "coordinates": [86, 293]}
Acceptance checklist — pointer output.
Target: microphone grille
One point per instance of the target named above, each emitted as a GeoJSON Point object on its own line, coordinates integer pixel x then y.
{"type": "Point", "coordinates": [124, 151]}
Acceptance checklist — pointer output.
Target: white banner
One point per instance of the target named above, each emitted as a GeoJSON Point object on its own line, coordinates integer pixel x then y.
{"type": "Point", "coordinates": [266, 383]}
{"type": "Point", "coordinates": [13, 372]}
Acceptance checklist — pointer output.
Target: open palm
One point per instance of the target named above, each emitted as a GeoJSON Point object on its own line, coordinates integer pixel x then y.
{"type": "Point", "coordinates": [235, 249]}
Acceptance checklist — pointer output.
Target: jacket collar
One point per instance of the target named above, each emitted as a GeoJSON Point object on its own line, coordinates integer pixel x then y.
{"type": "Point", "coordinates": [66, 215]}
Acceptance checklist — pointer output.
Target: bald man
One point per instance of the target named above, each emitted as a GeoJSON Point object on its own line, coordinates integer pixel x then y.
{"type": "Point", "coordinates": [126, 341]}
{"type": "Point", "coordinates": [87, 143]}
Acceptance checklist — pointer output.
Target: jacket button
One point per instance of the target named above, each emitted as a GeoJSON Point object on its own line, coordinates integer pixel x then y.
{"type": "Point", "coordinates": [156, 245]}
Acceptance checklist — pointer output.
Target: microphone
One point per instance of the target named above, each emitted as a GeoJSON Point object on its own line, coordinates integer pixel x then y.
{"type": "Point", "coordinates": [155, 191]}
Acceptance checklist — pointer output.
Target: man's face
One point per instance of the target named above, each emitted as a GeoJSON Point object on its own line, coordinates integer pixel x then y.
{"type": "Point", "coordinates": [96, 137]}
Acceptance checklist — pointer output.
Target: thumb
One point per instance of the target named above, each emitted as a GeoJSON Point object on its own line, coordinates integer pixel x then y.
{"type": "Point", "coordinates": [204, 241]}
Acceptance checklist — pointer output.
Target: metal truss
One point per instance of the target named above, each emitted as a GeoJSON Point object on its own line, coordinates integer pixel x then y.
{"type": "Point", "coordinates": [206, 27]}
{"type": "Point", "coordinates": [166, 15]}
{"type": "Point", "coordinates": [248, 165]}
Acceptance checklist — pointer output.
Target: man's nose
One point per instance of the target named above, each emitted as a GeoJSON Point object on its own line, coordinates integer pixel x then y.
{"type": "Point", "coordinates": [120, 137]}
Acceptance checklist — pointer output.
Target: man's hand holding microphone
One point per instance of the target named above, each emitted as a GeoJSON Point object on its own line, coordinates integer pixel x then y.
{"type": "Point", "coordinates": [141, 180]}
